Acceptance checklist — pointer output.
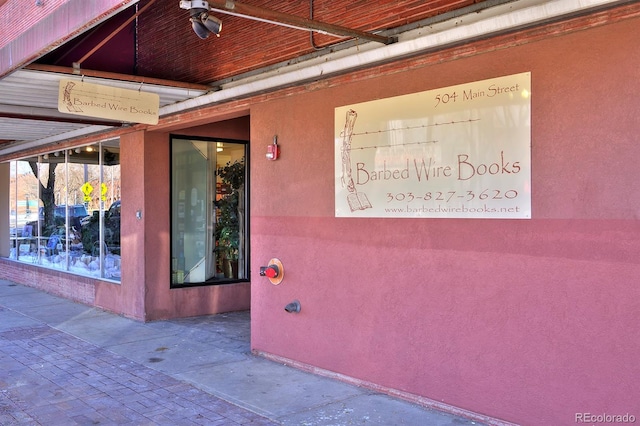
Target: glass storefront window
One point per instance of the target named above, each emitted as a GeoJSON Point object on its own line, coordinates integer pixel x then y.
{"type": "Point", "coordinates": [67, 210]}
{"type": "Point", "coordinates": [208, 197]}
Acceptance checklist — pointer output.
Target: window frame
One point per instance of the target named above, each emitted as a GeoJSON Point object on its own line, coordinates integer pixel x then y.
{"type": "Point", "coordinates": [42, 252]}
{"type": "Point", "coordinates": [172, 199]}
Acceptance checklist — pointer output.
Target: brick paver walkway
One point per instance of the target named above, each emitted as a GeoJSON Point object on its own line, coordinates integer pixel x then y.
{"type": "Point", "coordinates": [48, 377]}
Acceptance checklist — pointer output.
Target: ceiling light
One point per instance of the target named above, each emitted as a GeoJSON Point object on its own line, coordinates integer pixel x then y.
{"type": "Point", "coordinates": [203, 24]}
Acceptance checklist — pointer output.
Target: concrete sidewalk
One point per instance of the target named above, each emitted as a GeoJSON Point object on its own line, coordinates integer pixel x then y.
{"type": "Point", "coordinates": [63, 363]}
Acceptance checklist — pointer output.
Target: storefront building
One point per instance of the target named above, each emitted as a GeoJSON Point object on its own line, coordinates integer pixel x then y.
{"type": "Point", "coordinates": [453, 214]}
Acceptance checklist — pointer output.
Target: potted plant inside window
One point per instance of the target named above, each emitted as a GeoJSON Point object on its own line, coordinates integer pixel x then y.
{"type": "Point", "coordinates": [230, 218]}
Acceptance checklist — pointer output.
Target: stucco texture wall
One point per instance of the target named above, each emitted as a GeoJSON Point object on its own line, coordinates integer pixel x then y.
{"type": "Point", "coordinates": [161, 301]}
{"type": "Point", "coordinates": [529, 321]}
{"type": "Point", "coordinates": [145, 292]}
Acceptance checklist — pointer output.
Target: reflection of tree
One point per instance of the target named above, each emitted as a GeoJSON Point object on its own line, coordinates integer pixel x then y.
{"type": "Point", "coordinates": [47, 193]}
{"type": "Point", "coordinates": [76, 174]}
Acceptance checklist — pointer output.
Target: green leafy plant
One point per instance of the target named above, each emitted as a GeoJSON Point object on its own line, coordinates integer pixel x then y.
{"type": "Point", "coordinates": [232, 174]}
{"type": "Point", "coordinates": [228, 224]}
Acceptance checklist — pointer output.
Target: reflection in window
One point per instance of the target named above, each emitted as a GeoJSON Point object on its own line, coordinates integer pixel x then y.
{"type": "Point", "coordinates": [207, 212]}
{"type": "Point", "coordinates": [62, 217]}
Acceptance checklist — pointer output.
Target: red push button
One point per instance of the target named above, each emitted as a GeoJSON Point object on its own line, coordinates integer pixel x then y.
{"type": "Point", "coordinates": [274, 272]}
{"type": "Point", "coordinates": [271, 271]}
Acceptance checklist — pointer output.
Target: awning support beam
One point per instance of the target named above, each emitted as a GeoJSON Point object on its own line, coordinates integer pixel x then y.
{"type": "Point", "coordinates": [292, 21]}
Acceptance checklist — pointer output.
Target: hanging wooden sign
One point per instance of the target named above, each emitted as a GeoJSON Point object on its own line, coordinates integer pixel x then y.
{"type": "Point", "coordinates": [94, 100]}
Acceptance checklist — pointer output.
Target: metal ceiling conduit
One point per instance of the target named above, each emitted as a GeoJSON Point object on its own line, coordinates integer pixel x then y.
{"type": "Point", "coordinates": [510, 16]}
{"type": "Point", "coordinates": [242, 10]}
{"type": "Point", "coordinates": [492, 21]}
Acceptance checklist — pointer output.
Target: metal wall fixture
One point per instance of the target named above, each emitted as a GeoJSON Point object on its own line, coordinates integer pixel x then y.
{"type": "Point", "coordinates": [273, 150]}
{"type": "Point", "coordinates": [274, 271]}
{"type": "Point", "coordinates": [293, 307]}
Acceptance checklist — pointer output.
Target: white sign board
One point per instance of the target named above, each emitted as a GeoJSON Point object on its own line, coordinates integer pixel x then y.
{"type": "Point", "coordinates": [458, 152]}
{"type": "Point", "coordinates": [94, 100]}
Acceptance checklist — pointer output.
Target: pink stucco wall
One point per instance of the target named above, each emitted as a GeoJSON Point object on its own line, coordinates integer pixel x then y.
{"type": "Point", "coordinates": [529, 321]}
{"type": "Point", "coordinates": [144, 292]}
{"type": "Point", "coordinates": [128, 296]}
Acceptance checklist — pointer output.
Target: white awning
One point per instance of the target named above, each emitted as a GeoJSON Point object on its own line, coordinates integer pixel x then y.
{"type": "Point", "coordinates": [29, 108]}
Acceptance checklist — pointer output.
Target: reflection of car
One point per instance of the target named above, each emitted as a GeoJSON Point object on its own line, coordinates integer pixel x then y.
{"type": "Point", "coordinates": [112, 222]}
{"type": "Point", "coordinates": [77, 210]}
{"type": "Point", "coordinates": [91, 230]}
{"type": "Point", "coordinates": [76, 213]}
{"type": "Point", "coordinates": [114, 212]}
